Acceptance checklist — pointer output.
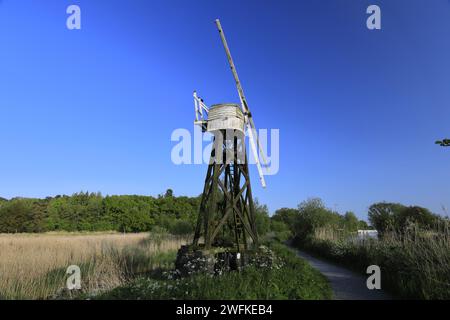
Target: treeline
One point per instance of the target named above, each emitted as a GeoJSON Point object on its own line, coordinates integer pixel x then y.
{"type": "Point", "coordinates": [86, 211]}
{"type": "Point", "coordinates": [312, 217]}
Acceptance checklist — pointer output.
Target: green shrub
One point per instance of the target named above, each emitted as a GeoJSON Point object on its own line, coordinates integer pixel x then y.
{"type": "Point", "coordinates": [182, 227]}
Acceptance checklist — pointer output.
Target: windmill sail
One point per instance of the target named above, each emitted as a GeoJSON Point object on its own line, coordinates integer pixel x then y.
{"type": "Point", "coordinates": [251, 129]}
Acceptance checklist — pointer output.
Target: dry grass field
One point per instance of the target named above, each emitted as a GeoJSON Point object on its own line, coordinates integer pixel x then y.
{"type": "Point", "coordinates": [33, 266]}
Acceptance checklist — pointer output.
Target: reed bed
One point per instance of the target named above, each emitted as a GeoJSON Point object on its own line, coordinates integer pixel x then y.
{"type": "Point", "coordinates": [33, 266]}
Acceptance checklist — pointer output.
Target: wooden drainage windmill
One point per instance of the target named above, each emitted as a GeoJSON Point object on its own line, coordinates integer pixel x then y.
{"type": "Point", "coordinates": [227, 214]}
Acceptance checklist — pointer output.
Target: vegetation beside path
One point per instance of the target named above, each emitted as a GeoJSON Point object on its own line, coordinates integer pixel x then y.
{"type": "Point", "coordinates": [412, 248]}
{"type": "Point", "coordinates": [290, 278]}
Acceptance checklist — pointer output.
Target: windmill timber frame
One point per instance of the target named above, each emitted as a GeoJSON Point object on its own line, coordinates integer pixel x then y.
{"type": "Point", "coordinates": [227, 208]}
{"type": "Point", "coordinates": [237, 203]}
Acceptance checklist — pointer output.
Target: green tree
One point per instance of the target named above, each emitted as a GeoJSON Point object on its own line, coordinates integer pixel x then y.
{"type": "Point", "coordinates": [21, 215]}
{"type": "Point", "coordinates": [382, 216]}
{"type": "Point", "coordinates": [130, 213]}
{"type": "Point", "coordinates": [182, 227]}
{"type": "Point", "coordinates": [416, 215]}
{"type": "Point", "coordinates": [262, 219]}
{"type": "Point", "coordinates": [351, 222]}
{"type": "Point", "coordinates": [288, 216]}
{"type": "Point", "coordinates": [396, 217]}
{"type": "Point", "coordinates": [314, 215]}
{"type": "Point", "coordinates": [168, 194]}
{"type": "Point", "coordinates": [362, 225]}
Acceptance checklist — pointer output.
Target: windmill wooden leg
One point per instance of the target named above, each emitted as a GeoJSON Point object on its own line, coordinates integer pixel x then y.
{"type": "Point", "coordinates": [203, 203]}
{"type": "Point", "coordinates": [212, 207]}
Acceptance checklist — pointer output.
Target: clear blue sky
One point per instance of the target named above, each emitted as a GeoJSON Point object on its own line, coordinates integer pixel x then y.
{"type": "Point", "coordinates": [358, 110]}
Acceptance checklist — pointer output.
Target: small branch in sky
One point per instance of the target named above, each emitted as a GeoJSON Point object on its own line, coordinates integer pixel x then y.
{"type": "Point", "coordinates": [444, 143]}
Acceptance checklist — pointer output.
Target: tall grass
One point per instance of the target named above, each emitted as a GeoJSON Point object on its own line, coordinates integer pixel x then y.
{"type": "Point", "coordinates": [414, 264]}
{"type": "Point", "coordinates": [33, 266]}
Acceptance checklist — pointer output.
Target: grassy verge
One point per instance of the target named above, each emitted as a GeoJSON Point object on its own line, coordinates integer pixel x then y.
{"type": "Point", "coordinates": [412, 267]}
{"type": "Point", "coordinates": [292, 278]}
